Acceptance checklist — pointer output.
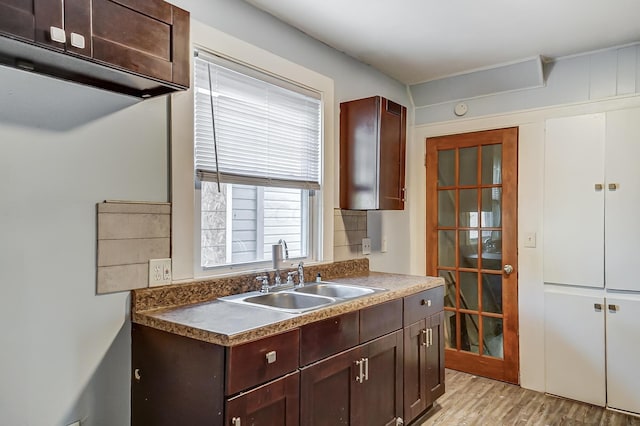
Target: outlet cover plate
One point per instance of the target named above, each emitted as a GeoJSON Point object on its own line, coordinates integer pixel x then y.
{"type": "Point", "coordinates": [366, 246]}
{"type": "Point", "coordinates": [159, 272]}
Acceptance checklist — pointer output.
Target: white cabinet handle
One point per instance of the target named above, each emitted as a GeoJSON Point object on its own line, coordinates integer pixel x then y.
{"type": "Point", "coordinates": [271, 357]}
{"type": "Point", "coordinates": [58, 34]}
{"type": "Point", "coordinates": [77, 40]}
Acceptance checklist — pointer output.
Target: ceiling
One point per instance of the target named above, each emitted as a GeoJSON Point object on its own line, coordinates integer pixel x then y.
{"type": "Point", "coordinates": [420, 40]}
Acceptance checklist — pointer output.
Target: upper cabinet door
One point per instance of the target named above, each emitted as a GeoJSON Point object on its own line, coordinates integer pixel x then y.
{"type": "Point", "coordinates": [145, 37]}
{"type": "Point", "coordinates": [622, 200]}
{"type": "Point", "coordinates": [16, 19]}
{"type": "Point", "coordinates": [573, 248]}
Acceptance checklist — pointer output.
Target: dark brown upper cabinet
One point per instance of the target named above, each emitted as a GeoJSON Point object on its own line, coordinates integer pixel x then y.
{"type": "Point", "coordinates": [373, 133]}
{"type": "Point", "coordinates": [135, 47]}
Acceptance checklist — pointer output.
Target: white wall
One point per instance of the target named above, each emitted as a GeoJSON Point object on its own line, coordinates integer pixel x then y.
{"type": "Point", "coordinates": [65, 351]}
{"type": "Point", "coordinates": [530, 185]}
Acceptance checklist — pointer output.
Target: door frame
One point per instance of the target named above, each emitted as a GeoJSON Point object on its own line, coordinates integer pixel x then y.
{"type": "Point", "coordinates": [507, 369]}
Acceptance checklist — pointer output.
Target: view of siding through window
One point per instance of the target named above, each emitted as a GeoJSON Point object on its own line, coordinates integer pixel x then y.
{"type": "Point", "coordinates": [241, 223]}
{"type": "Point", "coordinates": [350, 227]}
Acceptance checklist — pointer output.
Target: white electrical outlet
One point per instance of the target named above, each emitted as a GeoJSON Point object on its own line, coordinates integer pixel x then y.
{"type": "Point", "coordinates": [366, 246]}
{"type": "Point", "coordinates": [159, 272]}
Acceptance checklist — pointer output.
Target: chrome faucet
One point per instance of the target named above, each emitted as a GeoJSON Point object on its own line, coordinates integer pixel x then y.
{"type": "Point", "coordinates": [286, 249]}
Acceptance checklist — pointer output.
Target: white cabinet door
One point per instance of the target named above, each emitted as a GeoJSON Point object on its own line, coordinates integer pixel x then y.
{"type": "Point", "coordinates": [622, 202]}
{"type": "Point", "coordinates": [623, 353]}
{"type": "Point", "coordinates": [574, 347]}
{"type": "Point", "coordinates": [573, 247]}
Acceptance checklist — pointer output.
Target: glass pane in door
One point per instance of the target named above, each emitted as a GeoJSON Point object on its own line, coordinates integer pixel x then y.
{"type": "Point", "coordinates": [447, 167]}
{"type": "Point", "coordinates": [491, 164]}
{"type": "Point", "coordinates": [447, 208]}
{"type": "Point", "coordinates": [492, 336]}
{"type": "Point", "coordinates": [468, 166]}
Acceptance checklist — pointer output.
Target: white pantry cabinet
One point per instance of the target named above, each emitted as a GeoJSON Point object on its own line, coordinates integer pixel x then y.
{"type": "Point", "coordinates": [592, 199]}
{"type": "Point", "coordinates": [573, 209]}
{"type": "Point", "coordinates": [575, 345]}
{"type": "Point", "coordinates": [591, 229]}
{"type": "Point", "coordinates": [623, 350]}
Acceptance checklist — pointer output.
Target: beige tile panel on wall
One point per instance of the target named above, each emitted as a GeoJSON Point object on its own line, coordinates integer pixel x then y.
{"type": "Point", "coordinates": [129, 234]}
{"type": "Point", "coordinates": [350, 227]}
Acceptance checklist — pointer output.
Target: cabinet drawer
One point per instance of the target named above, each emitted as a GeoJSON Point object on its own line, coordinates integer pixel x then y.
{"type": "Point", "coordinates": [260, 361]}
{"type": "Point", "coordinates": [327, 337]}
{"type": "Point", "coordinates": [423, 304]}
{"type": "Point", "coordinates": [378, 320]}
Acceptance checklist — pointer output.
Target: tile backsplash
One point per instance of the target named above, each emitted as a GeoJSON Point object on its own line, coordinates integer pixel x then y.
{"type": "Point", "coordinates": [350, 227]}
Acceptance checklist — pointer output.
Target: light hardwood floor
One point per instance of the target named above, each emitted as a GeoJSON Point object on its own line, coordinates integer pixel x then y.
{"type": "Point", "coordinates": [472, 400]}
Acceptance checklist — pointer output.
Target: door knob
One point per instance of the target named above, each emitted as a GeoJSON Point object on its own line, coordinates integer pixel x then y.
{"type": "Point", "coordinates": [508, 269]}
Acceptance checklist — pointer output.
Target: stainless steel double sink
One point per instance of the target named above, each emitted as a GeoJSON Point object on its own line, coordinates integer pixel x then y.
{"type": "Point", "coordinates": [302, 299]}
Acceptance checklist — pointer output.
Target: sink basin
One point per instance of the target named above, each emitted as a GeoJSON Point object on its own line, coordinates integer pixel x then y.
{"type": "Point", "coordinates": [283, 301]}
{"type": "Point", "coordinates": [338, 291]}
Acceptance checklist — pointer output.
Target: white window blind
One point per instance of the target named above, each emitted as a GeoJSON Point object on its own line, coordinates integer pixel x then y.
{"type": "Point", "coordinates": [266, 134]}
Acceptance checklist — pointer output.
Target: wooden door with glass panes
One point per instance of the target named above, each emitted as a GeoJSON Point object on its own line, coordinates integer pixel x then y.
{"type": "Point", "coordinates": [472, 244]}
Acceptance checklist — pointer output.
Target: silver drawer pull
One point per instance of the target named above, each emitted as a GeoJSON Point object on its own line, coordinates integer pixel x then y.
{"type": "Point", "coordinates": [425, 337]}
{"type": "Point", "coordinates": [271, 357]}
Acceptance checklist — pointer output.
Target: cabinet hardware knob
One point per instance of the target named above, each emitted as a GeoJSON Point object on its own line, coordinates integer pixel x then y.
{"type": "Point", "coordinates": [613, 308]}
{"type": "Point", "coordinates": [598, 186]}
{"type": "Point", "coordinates": [613, 186]}
{"type": "Point", "coordinates": [425, 338]}
{"type": "Point", "coordinates": [57, 34]}
{"type": "Point", "coordinates": [425, 302]}
{"type": "Point", "coordinates": [77, 40]}
{"type": "Point", "coordinates": [236, 421]}
{"type": "Point", "coordinates": [271, 357]}
{"type": "Point", "coordinates": [597, 306]}
{"type": "Point", "coordinates": [136, 374]}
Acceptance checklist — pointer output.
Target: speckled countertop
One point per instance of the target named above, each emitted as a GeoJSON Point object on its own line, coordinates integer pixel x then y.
{"type": "Point", "coordinates": [231, 324]}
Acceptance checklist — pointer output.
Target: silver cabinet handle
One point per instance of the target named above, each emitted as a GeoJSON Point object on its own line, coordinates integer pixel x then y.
{"type": "Point", "coordinates": [366, 368]}
{"type": "Point", "coordinates": [359, 377]}
{"type": "Point", "coordinates": [77, 40]}
{"type": "Point", "coordinates": [57, 34]}
{"type": "Point", "coordinates": [431, 337]}
{"type": "Point", "coordinates": [236, 421]}
{"type": "Point", "coordinates": [508, 269]}
{"type": "Point", "coordinates": [271, 357]}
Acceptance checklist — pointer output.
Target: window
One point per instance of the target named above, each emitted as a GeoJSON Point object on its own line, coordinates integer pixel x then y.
{"type": "Point", "coordinates": [257, 163]}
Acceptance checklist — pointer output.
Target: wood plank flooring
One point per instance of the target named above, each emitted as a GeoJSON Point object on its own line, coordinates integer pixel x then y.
{"type": "Point", "coordinates": [472, 400]}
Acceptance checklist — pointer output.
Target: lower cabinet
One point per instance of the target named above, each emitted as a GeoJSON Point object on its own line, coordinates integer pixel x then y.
{"type": "Point", "coordinates": [579, 330]}
{"type": "Point", "coordinates": [423, 364]}
{"type": "Point", "coordinates": [369, 367]}
{"type": "Point", "coordinates": [361, 386]}
{"type": "Point", "coordinates": [274, 404]}
{"type": "Point", "coordinates": [623, 347]}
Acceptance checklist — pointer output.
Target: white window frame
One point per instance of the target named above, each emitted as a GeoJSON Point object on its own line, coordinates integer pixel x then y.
{"type": "Point", "coordinates": [185, 231]}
